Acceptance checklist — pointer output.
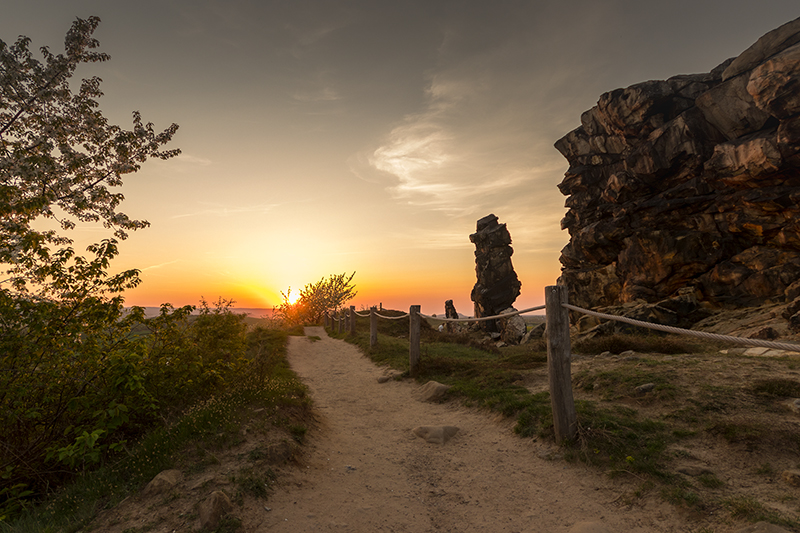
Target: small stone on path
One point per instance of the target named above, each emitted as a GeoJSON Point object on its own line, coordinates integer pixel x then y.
{"type": "Point", "coordinates": [389, 375]}
{"type": "Point", "coordinates": [435, 434]}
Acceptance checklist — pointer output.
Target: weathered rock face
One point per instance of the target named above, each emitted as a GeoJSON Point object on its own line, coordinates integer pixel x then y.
{"type": "Point", "coordinates": [689, 182]}
{"type": "Point", "coordinates": [497, 286]}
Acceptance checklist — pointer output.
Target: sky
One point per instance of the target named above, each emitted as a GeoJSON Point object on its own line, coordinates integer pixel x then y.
{"type": "Point", "coordinates": [326, 137]}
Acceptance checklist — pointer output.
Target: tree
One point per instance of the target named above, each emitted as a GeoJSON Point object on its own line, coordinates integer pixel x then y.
{"type": "Point", "coordinates": [68, 364]}
{"type": "Point", "coordinates": [328, 294]}
{"type": "Point", "coordinates": [59, 159]}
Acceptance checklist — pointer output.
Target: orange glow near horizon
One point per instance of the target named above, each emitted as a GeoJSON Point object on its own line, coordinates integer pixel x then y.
{"type": "Point", "coordinates": [396, 291]}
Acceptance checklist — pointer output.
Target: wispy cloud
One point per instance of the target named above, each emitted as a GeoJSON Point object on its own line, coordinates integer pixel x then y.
{"type": "Point", "coordinates": [325, 94]}
{"type": "Point", "coordinates": [160, 265]}
{"type": "Point", "coordinates": [474, 142]}
{"type": "Point", "coordinates": [226, 211]}
{"type": "Point", "coordinates": [193, 160]}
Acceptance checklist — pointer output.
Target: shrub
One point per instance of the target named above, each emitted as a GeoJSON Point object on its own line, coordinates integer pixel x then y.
{"type": "Point", "coordinates": [71, 400]}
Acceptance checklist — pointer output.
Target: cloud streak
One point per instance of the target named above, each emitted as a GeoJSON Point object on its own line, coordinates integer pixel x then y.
{"type": "Point", "coordinates": [160, 265]}
{"type": "Point", "coordinates": [224, 211]}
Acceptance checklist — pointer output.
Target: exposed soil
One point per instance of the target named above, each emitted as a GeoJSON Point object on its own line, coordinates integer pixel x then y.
{"type": "Point", "coordinates": [362, 469]}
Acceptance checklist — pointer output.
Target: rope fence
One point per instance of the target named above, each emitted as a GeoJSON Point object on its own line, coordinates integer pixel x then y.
{"type": "Point", "coordinates": [559, 349]}
{"type": "Point", "coordinates": [791, 347]}
{"type": "Point", "coordinates": [485, 318]}
{"type": "Point", "coordinates": [392, 317]}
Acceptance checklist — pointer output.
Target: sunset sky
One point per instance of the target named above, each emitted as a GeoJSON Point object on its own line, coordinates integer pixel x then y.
{"type": "Point", "coordinates": [322, 137]}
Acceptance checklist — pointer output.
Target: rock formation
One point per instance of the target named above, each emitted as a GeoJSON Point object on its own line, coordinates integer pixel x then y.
{"type": "Point", "coordinates": [690, 184]}
{"type": "Point", "coordinates": [450, 312]}
{"type": "Point", "coordinates": [497, 286]}
{"type": "Point", "coordinates": [450, 309]}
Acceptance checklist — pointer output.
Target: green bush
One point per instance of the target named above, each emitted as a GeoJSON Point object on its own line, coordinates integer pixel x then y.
{"type": "Point", "coordinates": [80, 381]}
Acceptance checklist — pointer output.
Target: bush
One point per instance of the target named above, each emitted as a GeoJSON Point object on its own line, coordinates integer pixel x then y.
{"type": "Point", "coordinates": [70, 400]}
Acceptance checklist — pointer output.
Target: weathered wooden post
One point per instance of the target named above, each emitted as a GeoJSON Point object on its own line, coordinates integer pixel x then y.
{"type": "Point", "coordinates": [373, 327]}
{"type": "Point", "coordinates": [325, 319]}
{"type": "Point", "coordinates": [352, 320]}
{"type": "Point", "coordinates": [413, 340]}
{"type": "Point", "coordinates": [341, 322]}
{"type": "Point", "coordinates": [558, 363]}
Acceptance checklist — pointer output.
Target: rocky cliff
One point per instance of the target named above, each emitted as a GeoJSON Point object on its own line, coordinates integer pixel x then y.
{"type": "Point", "coordinates": [690, 185]}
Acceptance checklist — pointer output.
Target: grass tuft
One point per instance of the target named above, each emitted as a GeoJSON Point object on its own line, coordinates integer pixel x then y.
{"type": "Point", "coordinates": [619, 343]}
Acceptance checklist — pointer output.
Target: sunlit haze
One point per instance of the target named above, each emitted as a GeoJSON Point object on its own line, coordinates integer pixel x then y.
{"type": "Point", "coordinates": [324, 137]}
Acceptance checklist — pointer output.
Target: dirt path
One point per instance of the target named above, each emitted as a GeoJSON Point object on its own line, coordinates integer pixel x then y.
{"type": "Point", "coordinates": [364, 470]}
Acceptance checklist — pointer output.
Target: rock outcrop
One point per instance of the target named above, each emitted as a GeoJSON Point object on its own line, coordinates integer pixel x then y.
{"type": "Point", "coordinates": [497, 286]}
{"type": "Point", "coordinates": [690, 183]}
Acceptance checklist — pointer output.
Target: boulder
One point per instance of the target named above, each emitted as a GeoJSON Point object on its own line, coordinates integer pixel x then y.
{"type": "Point", "coordinates": [213, 508]}
{"type": "Point", "coordinates": [513, 328]}
{"type": "Point", "coordinates": [163, 482]}
{"type": "Point", "coordinates": [536, 332]}
{"type": "Point", "coordinates": [432, 391]}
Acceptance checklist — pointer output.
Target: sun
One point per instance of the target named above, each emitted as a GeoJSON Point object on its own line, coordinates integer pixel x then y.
{"type": "Point", "coordinates": [291, 296]}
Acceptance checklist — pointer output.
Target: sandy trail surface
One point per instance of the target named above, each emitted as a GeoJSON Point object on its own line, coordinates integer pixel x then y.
{"type": "Point", "coordinates": [362, 468]}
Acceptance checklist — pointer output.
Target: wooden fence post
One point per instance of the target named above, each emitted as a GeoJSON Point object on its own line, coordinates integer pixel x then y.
{"type": "Point", "coordinates": [325, 319]}
{"type": "Point", "coordinates": [373, 327]}
{"type": "Point", "coordinates": [352, 320]}
{"type": "Point", "coordinates": [341, 322]}
{"type": "Point", "coordinates": [413, 340]}
{"type": "Point", "coordinates": [558, 363]}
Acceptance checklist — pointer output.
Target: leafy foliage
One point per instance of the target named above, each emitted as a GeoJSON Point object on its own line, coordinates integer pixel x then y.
{"type": "Point", "coordinates": [74, 379]}
{"type": "Point", "coordinates": [328, 294]}
{"type": "Point", "coordinates": [189, 438]}
{"type": "Point", "coordinates": [59, 157]}
{"type": "Point", "coordinates": [67, 405]}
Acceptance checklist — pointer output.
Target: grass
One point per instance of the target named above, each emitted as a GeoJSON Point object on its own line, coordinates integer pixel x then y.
{"type": "Point", "coordinates": [752, 510]}
{"type": "Point", "coordinates": [622, 431]}
{"type": "Point", "coordinates": [479, 378]}
{"type": "Point", "coordinates": [781, 388]}
{"type": "Point", "coordinates": [251, 482]}
{"type": "Point", "coordinates": [651, 343]}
